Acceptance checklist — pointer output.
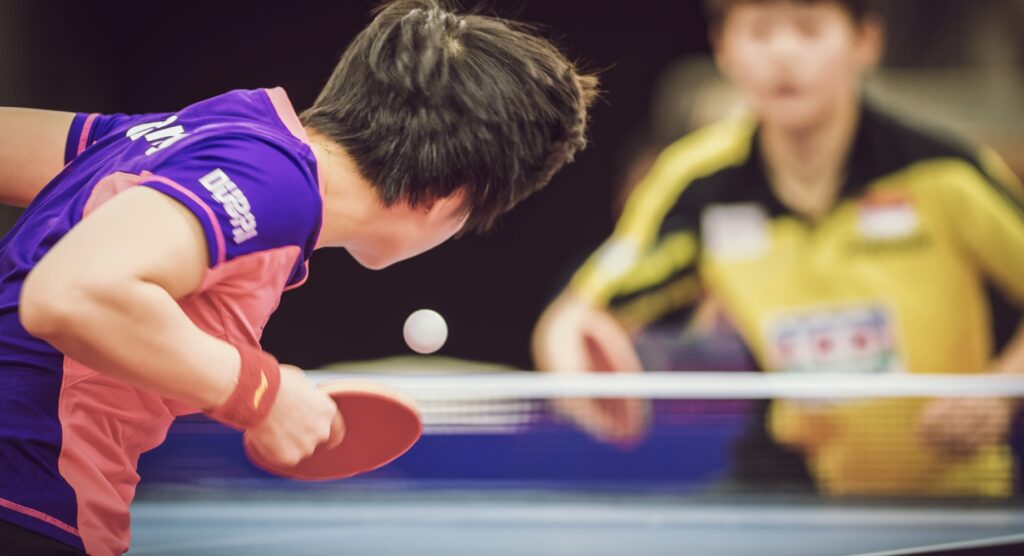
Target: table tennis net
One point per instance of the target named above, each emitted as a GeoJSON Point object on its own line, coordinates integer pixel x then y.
{"type": "Point", "coordinates": [842, 435]}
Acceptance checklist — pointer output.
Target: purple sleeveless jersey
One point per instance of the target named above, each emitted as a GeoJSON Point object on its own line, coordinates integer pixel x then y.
{"type": "Point", "coordinates": [69, 436]}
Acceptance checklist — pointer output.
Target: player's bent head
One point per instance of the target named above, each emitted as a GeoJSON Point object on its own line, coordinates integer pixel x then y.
{"type": "Point", "coordinates": [428, 101]}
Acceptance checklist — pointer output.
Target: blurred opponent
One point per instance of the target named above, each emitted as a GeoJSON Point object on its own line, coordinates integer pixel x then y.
{"type": "Point", "coordinates": [836, 238]}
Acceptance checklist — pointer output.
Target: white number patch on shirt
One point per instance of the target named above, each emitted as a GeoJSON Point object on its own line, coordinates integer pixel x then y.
{"type": "Point", "coordinates": [159, 135]}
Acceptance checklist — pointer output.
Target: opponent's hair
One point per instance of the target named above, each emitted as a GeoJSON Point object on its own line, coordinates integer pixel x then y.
{"type": "Point", "coordinates": [428, 101]}
{"type": "Point", "coordinates": [859, 10]}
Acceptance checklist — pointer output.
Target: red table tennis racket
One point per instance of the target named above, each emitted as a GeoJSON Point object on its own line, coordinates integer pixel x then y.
{"type": "Point", "coordinates": [380, 425]}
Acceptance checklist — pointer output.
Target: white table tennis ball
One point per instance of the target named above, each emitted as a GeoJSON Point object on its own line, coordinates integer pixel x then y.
{"type": "Point", "coordinates": [425, 331]}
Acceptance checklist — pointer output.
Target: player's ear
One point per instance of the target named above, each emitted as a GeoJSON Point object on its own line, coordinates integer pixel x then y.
{"type": "Point", "coordinates": [719, 50]}
{"type": "Point", "coordinates": [871, 41]}
{"type": "Point", "coordinates": [443, 208]}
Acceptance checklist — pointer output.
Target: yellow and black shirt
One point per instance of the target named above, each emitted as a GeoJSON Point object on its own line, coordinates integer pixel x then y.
{"type": "Point", "coordinates": [891, 280]}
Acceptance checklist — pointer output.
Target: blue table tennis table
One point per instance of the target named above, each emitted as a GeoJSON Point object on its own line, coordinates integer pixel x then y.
{"type": "Point", "coordinates": [499, 522]}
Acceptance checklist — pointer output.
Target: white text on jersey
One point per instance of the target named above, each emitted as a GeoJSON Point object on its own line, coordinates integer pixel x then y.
{"type": "Point", "coordinates": [157, 134]}
{"type": "Point", "coordinates": [243, 223]}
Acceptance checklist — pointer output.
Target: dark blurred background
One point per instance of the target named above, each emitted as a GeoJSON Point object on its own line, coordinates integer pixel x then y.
{"type": "Point", "coordinates": [129, 56]}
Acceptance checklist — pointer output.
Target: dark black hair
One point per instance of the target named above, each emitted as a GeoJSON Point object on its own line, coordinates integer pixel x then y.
{"type": "Point", "coordinates": [858, 9]}
{"type": "Point", "coordinates": [428, 101]}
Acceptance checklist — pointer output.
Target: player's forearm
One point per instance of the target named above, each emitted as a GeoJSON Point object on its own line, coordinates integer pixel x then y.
{"type": "Point", "coordinates": [558, 337]}
{"type": "Point", "coordinates": [137, 333]}
{"type": "Point", "coordinates": [31, 151]}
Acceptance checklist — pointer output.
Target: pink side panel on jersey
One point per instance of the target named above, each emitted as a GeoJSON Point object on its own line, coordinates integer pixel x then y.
{"type": "Point", "coordinates": [246, 290]}
{"type": "Point", "coordinates": [107, 424]}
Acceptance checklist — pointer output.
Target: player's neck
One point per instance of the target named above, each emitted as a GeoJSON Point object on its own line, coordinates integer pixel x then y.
{"type": "Point", "coordinates": [807, 166]}
{"type": "Point", "coordinates": [350, 203]}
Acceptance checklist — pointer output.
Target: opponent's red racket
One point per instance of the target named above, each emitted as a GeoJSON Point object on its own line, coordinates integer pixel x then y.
{"type": "Point", "coordinates": [380, 425]}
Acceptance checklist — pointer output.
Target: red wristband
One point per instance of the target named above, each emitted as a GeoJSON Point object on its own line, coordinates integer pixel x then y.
{"type": "Point", "coordinates": [258, 382]}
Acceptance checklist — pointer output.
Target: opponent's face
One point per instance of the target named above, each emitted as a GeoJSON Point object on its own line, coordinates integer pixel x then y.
{"type": "Point", "coordinates": [796, 62]}
{"type": "Point", "coordinates": [402, 231]}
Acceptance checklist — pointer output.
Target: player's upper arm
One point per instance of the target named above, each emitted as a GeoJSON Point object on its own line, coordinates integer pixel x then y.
{"type": "Point", "coordinates": [32, 145]}
{"type": "Point", "coordinates": [35, 145]}
{"type": "Point", "coordinates": [986, 207]}
{"type": "Point", "coordinates": [139, 235]}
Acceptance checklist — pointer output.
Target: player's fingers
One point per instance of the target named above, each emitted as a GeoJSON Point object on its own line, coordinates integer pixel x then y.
{"type": "Point", "coordinates": [274, 453]}
{"type": "Point", "coordinates": [319, 419]}
{"type": "Point", "coordinates": [924, 421]}
{"type": "Point", "coordinates": [305, 446]}
{"type": "Point", "coordinates": [628, 420]}
{"type": "Point", "coordinates": [637, 412]}
{"type": "Point", "coordinates": [611, 421]}
{"type": "Point", "coordinates": [975, 424]}
{"type": "Point", "coordinates": [567, 410]}
{"type": "Point", "coordinates": [956, 433]}
{"type": "Point", "coordinates": [931, 422]}
{"type": "Point", "coordinates": [252, 446]}
{"type": "Point", "coordinates": [588, 416]}
{"type": "Point", "coordinates": [992, 422]}
{"type": "Point", "coordinates": [957, 427]}
{"type": "Point", "coordinates": [609, 347]}
{"type": "Point", "coordinates": [290, 457]}
{"type": "Point", "coordinates": [306, 435]}
{"type": "Point", "coordinates": [337, 431]}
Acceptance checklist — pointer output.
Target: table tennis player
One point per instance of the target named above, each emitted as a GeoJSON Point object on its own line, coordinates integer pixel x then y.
{"type": "Point", "coordinates": [154, 247]}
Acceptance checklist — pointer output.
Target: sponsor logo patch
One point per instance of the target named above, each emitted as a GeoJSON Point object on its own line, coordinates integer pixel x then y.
{"type": "Point", "coordinates": [225, 192]}
{"type": "Point", "coordinates": [831, 339]}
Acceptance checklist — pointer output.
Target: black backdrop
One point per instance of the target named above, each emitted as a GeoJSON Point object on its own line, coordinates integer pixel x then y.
{"type": "Point", "coordinates": [130, 56]}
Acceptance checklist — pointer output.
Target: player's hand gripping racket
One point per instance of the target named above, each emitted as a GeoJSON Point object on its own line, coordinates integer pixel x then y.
{"type": "Point", "coordinates": [380, 425]}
